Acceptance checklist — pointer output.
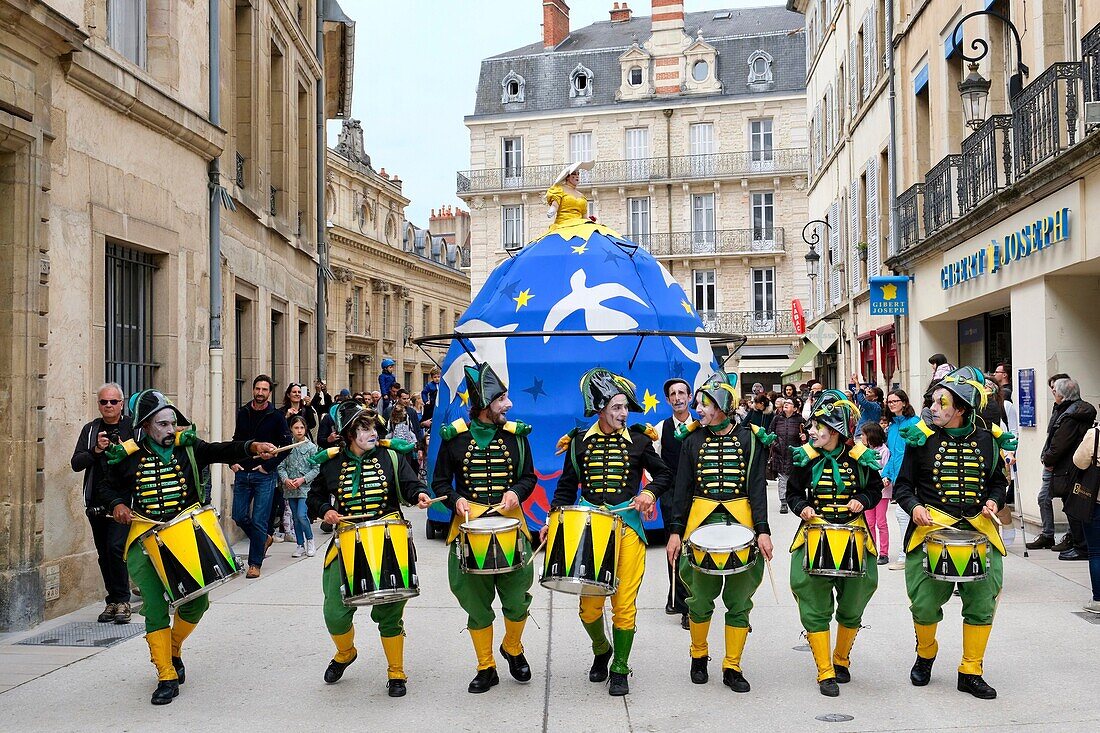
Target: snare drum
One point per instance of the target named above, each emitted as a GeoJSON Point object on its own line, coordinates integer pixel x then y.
{"type": "Point", "coordinates": [721, 549]}
{"type": "Point", "coordinates": [377, 562]}
{"type": "Point", "coordinates": [490, 546]}
{"type": "Point", "coordinates": [956, 555]}
{"type": "Point", "coordinates": [582, 551]}
{"type": "Point", "coordinates": [835, 550]}
{"type": "Point", "coordinates": [190, 555]}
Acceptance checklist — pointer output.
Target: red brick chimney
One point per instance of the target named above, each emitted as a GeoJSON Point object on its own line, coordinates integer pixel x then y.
{"type": "Point", "coordinates": [555, 22]}
{"type": "Point", "coordinates": [620, 13]}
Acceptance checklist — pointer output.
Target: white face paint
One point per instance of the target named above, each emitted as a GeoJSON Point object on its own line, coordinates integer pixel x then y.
{"type": "Point", "coordinates": [822, 436]}
{"type": "Point", "coordinates": [613, 417]}
{"type": "Point", "coordinates": [944, 414]}
{"type": "Point", "coordinates": [709, 414]}
{"type": "Point", "coordinates": [366, 437]}
{"type": "Point", "coordinates": [161, 427]}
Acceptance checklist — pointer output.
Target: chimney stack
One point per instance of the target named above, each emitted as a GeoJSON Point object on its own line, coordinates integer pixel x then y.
{"type": "Point", "coordinates": [620, 12]}
{"type": "Point", "coordinates": [555, 22]}
{"type": "Point", "coordinates": [668, 15]}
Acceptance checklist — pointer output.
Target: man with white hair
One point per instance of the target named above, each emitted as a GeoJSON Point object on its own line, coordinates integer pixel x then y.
{"type": "Point", "coordinates": [1065, 434]}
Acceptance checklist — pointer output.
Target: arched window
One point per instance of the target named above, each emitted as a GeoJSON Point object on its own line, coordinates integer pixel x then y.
{"type": "Point", "coordinates": [513, 88]}
{"type": "Point", "coordinates": [760, 68]}
{"type": "Point", "coordinates": [580, 83]}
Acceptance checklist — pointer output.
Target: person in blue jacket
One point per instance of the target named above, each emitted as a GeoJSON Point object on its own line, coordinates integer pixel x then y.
{"type": "Point", "coordinates": [902, 415]}
{"type": "Point", "coordinates": [386, 378]}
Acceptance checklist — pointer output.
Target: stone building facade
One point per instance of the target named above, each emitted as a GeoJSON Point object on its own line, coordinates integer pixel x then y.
{"type": "Point", "coordinates": [697, 124]}
{"type": "Point", "coordinates": [109, 137]}
{"type": "Point", "coordinates": [393, 281]}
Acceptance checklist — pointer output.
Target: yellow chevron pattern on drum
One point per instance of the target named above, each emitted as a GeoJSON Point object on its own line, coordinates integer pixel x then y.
{"type": "Point", "coordinates": [838, 543]}
{"type": "Point", "coordinates": [555, 527]}
{"type": "Point", "coordinates": [181, 542]}
{"type": "Point", "coordinates": [399, 537]}
{"type": "Point", "coordinates": [330, 553]}
{"type": "Point", "coordinates": [348, 541]}
{"type": "Point", "coordinates": [743, 555]}
{"type": "Point", "coordinates": [720, 559]}
{"type": "Point", "coordinates": [479, 543]}
{"type": "Point", "coordinates": [139, 525]}
{"type": "Point", "coordinates": [934, 551]}
{"type": "Point", "coordinates": [860, 548]}
{"type": "Point", "coordinates": [960, 557]}
{"type": "Point", "coordinates": [507, 542]}
{"type": "Point", "coordinates": [698, 555]}
{"type": "Point", "coordinates": [813, 541]}
{"type": "Point", "coordinates": [602, 529]}
{"type": "Point", "coordinates": [374, 541]}
{"type": "Point", "coordinates": [208, 520]}
{"type": "Point", "coordinates": [573, 525]}
{"type": "Point", "coordinates": [153, 551]}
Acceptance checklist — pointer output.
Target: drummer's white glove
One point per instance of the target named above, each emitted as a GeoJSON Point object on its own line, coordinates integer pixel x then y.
{"type": "Point", "coordinates": [764, 542]}
{"type": "Point", "coordinates": [510, 500]}
{"type": "Point", "coordinates": [673, 548]}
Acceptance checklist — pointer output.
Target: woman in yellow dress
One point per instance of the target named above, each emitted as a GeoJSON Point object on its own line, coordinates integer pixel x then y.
{"type": "Point", "coordinates": [568, 207]}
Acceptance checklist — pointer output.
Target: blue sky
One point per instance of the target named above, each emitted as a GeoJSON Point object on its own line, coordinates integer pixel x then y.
{"type": "Point", "coordinates": [416, 72]}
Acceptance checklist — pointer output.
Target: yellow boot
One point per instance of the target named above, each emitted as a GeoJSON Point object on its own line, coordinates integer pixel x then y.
{"type": "Point", "coordinates": [975, 639]}
{"type": "Point", "coordinates": [394, 647]}
{"type": "Point", "coordinates": [160, 654]}
{"type": "Point", "coordinates": [820, 645]}
{"type": "Point", "coordinates": [731, 665]}
{"type": "Point", "coordinates": [344, 656]}
{"type": "Point", "coordinates": [845, 638]}
{"type": "Point", "coordinates": [927, 648]}
{"type": "Point", "coordinates": [512, 649]}
{"type": "Point", "coordinates": [180, 631]}
{"type": "Point", "coordinates": [486, 676]}
{"type": "Point", "coordinates": [699, 651]}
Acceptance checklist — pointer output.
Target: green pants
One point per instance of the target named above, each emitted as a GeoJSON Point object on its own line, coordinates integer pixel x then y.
{"type": "Point", "coordinates": [814, 594]}
{"type": "Point", "coordinates": [475, 592]}
{"type": "Point", "coordinates": [338, 617]}
{"type": "Point", "coordinates": [736, 592]}
{"type": "Point", "coordinates": [927, 594]}
{"type": "Point", "coordinates": [154, 606]}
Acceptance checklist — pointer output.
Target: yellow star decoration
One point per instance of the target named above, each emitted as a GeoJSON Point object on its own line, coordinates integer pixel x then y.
{"type": "Point", "coordinates": [581, 249]}
{"type": "Point", "coordinates": [687, 306]}
{"type": "Point", "coordinates": [465, 397]}
{"type": "Point", "coordinates": [522, 298]}
{"type": "Point", "coordinates": [649, 402]}
{"type": "Point", "coordinates": [889, 292]}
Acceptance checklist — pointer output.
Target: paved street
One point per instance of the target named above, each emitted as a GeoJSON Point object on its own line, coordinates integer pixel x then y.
{"type": "Point", "coordinates": [258, 657]}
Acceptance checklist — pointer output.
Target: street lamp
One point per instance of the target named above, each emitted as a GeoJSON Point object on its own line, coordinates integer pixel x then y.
{"type": "Point", "coordinates": [813, 259]}
{"type": "Point", "coordinates": [975, 88]}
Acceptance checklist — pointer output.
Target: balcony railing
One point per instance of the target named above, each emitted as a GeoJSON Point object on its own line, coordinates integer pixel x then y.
{"type": "Point", "coordinates": [749, 323]}
{"type": "Point", "coordinates": [1044, 123]}
{"type": "Point", "coordinates": [639, 170]}
{"type": "Point", "coordinates": [713, 242]}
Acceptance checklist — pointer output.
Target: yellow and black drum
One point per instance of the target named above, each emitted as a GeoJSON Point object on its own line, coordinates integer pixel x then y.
{"type": "Point", "coordinates": [721, 549]}
{"type": "Point", "coordinates": [956, 555]}
{"type": "Point", "coordinates": [582, 551]}
{"type": "Point", "coordinates": [835, 550]}
{"type": "Point", "coordinates": [377, 562]}
{"type": "Point", "coordinates": [190, 553]}
{"type": "Point", "coordinates": [490, 546]}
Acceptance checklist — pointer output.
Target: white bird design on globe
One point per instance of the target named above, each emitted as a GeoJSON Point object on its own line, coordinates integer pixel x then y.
{"type": "Point", "coordinates": [492, 350]}
{"type": "Point", "coordinates": [589, 300]}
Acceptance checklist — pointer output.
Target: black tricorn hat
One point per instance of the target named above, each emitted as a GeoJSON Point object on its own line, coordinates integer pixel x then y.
{"type": "Point", "coordinates": [345, 414]}
{"type": "Point", "coordinates": [147, 403]}
{"type": "Point", "coordinates": [483, 385]}
{"type": "Point", "coordinates": [834, 410]}
{"type": "Point", "coordinates": [599, 386]}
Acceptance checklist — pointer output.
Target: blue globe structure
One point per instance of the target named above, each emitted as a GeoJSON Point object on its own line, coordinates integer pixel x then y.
{"type": "Point", "coordinates": [559, 307]}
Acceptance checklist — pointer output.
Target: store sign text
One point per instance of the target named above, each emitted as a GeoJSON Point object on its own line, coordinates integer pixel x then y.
{"type": "Point", "coordinates": [1032, 238]}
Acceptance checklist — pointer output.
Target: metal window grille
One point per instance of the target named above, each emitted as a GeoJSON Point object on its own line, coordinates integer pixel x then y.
{"type": "Point", "coordinates": [272, 208]}
{"type": "Point", "coordinates": [240, 171]}
{"type": "Point", "coordinates": [238, 336]}
{"type": "Point", "coordinates": [129, 318]}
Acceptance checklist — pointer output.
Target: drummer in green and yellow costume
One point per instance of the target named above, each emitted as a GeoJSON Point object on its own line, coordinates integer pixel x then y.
{"type": "Point", "coordinates": [369, 480]}
{"type": "Point", "coordinates": [831, 483]}
{"type": "Point", "coordinates": [157, 477]}
{"type": "Point", "coordinates": [483, 463]}
{"type": "Point", "coordinates": [953, 474]}
{"type": "Point", "coordinates": [605, 463]}
{"type": "Point", "coordinates": [720, 479]}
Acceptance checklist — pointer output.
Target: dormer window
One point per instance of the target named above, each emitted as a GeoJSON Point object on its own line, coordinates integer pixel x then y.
{"type": "Point", "coordinates": [512, 88]}
{"type": "Point", "coordinates": [760, 68]}
{"type": "Point", "coordinates": [580, 83]}
{"type": "Point", "coordinates": [634, 76]}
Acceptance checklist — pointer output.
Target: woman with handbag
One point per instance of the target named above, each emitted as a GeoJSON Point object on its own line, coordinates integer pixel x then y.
{"type": "Point", "coordinates": [1084, 504]}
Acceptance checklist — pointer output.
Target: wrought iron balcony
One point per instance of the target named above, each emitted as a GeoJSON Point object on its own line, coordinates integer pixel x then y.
{"type": "Point", "coordinates": [713, 242]}
{"type": "Point", "coordinates": [909, 216]}
{"type": "Point", "coordinates": [640, 170]}
{"type": "Point", "coordinates": [749, 323]}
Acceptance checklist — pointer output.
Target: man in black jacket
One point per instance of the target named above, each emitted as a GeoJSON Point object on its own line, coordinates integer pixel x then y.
{"type": "Point", "coordinates": [1072, 421]}
{"type": "Point", "coordinates": [109, 536]}
{"type": "Point", "coordinates": [254, 483]}
{"type": "Point", "coordinates": [678, 395]}
{"type": "Point", "coordinates": [1045, 540]}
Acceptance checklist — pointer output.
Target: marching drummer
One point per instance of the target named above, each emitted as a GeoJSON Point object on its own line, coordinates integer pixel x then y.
{"type": "Point", "coordinates": [606, 462]}
{"type": "Point", "coordinates": [720, 480]}
{"type": "Point", "coordinates": [953, 475]}
{"type": "Point", "coordinates": [369, 480]}
{"type": "Point", "coordinates": [830, 487]}
{"type": "Point", "coordinates": [485, 463]}
{"type": "Point", "coordinates": [159, 477]}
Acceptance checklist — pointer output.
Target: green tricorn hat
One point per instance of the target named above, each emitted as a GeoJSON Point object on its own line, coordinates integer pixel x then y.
{"type": "Point", "coordinates": [968, 384]}
{"type": "Point", "coordinates": [483, 385]}
{"type": "Point", "coordinates": [147, 403]}
{"type": "Point", "coordinates": [719, 389]}
{"type": "Point", "coordinates": [599, 386]}
{"type": "Point", "coordinates": [345, 414]}
{"type": "Point", "coordinates": [834, 410]}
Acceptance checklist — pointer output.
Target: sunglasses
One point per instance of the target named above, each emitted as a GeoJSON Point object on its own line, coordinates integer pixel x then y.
{"type": "Point", "coordinates": [109, 402]}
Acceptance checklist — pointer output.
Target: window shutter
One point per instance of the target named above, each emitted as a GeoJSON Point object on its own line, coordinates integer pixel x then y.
{"type": "Point", "coordinates": [834, 253]}
{"type": "Point", "coordinates": [853, 239]}
{"type": "Point", "coordinates": [868, 32]}
{"type": "Point", "coordinates": [874, 254]}
{"type": "Point", "coordinates": [853, 77]}
{"type": "Point", "coordinates": [872, 50]}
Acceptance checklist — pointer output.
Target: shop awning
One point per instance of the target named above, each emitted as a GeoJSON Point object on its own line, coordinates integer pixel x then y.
{"type": "Point", "coordinates": [809, 351]}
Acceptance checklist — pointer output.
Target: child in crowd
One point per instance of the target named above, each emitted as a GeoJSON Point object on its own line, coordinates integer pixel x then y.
{"type": "Point", "coordinates": [296, 474]}
{"type": "Point", "coordinates": [872, 436]}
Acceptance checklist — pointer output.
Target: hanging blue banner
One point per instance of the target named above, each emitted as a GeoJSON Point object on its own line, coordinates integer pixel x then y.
{"type": "Point", "coordinates": [1025, 389]}
{"type": "Point", "coordinates": [889, 295]}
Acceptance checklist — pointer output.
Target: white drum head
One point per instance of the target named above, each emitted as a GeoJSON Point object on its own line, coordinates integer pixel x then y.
{"type": "Point", "coordinates": [721, 537]}
{"type": "Point", "coordinates": [490, 524]}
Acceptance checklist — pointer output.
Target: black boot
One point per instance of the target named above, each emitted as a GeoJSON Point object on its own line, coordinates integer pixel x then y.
{"type": "Point", "coordinates": [598, 671]}
{"type": "Point", "coordinates": [921, 674]}
{"type": "Point", "coordinates": [484, 679]}
{"type": "Point", "coordinates": [619, 685]}
{"type": "Point", "coordinates": [168, 689]}
{"type": "Point", "coordinates": [699, 674]}
{"type": "Point", "coordinates": [517, 666]}
{"type": "Point", "coordinates": [181, 671]}
{"type": "Point", "coordinates": [396, 688]}
{"type": "Point", "coordinates": [843, 676]}
{"type": "Point", "coordinates": [976, 686]}
{"type": "Point", "coordinates": [783, 509]}
{"type": "Point", "coordinates": [1042, 542]}
{"type": "Point", "coordinates": [1066, 543]}
{"type": "Point", "coordinates": [829, 687]}
{"type": "Point", "coordinates": [336, 669]}
{"type": "Point", "coordinates": [734, 680]}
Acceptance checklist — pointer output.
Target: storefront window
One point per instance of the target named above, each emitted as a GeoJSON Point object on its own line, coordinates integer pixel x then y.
{"type": "Point", "coordinates": [888, 354]}
{"type": "Point", "coordinates": [867, 358]}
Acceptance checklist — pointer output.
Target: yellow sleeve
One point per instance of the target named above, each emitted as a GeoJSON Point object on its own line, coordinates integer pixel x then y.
{"type": "Point", "coordinates": [554, 193]}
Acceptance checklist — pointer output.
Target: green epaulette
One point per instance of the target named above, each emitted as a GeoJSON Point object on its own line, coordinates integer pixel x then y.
{"type": "Point", "coordinates": [916, 434]}
{"type": "Point", "coordinates": [865, 457]}
{"type": "Point", "coordinates": [516, 427]}
{"type": "Point", "coordinates": [645, 429]}
{"type": "Point", "coordinates": [803, 454]}
{"type": "Point", "coordinates": [321, 456]}
{"type": "Point", "coordinates": [117, 452]}
{"type": "Point", "coordinates": [762, 435]}
{"type": "Point", "coordinates": [687, 429]}
{"type": "Point", "coordinates": [455, 428]}
{"type": "Point", "coordinates": [397, 445]}
{"type": "Point", "coordinates": [1005, 440]}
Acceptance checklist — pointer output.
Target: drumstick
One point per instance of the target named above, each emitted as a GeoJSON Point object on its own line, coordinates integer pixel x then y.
{"type": "Point", "coordinates": [287, 447]}
{"type": "Point", "coordinates": [537, 550]}
{"type": "Point", "coordinates": [495, 508]}
{"type": "Point", "coordinates": [941, 524]}
{"type": "Point", "coordinates": [436, 500]}
{"type": "Point", "coordinates": [771, 577]}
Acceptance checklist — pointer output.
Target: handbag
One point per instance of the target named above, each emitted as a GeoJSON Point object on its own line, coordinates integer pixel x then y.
{"type": "Point", "coordinates": [1081, 501]}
